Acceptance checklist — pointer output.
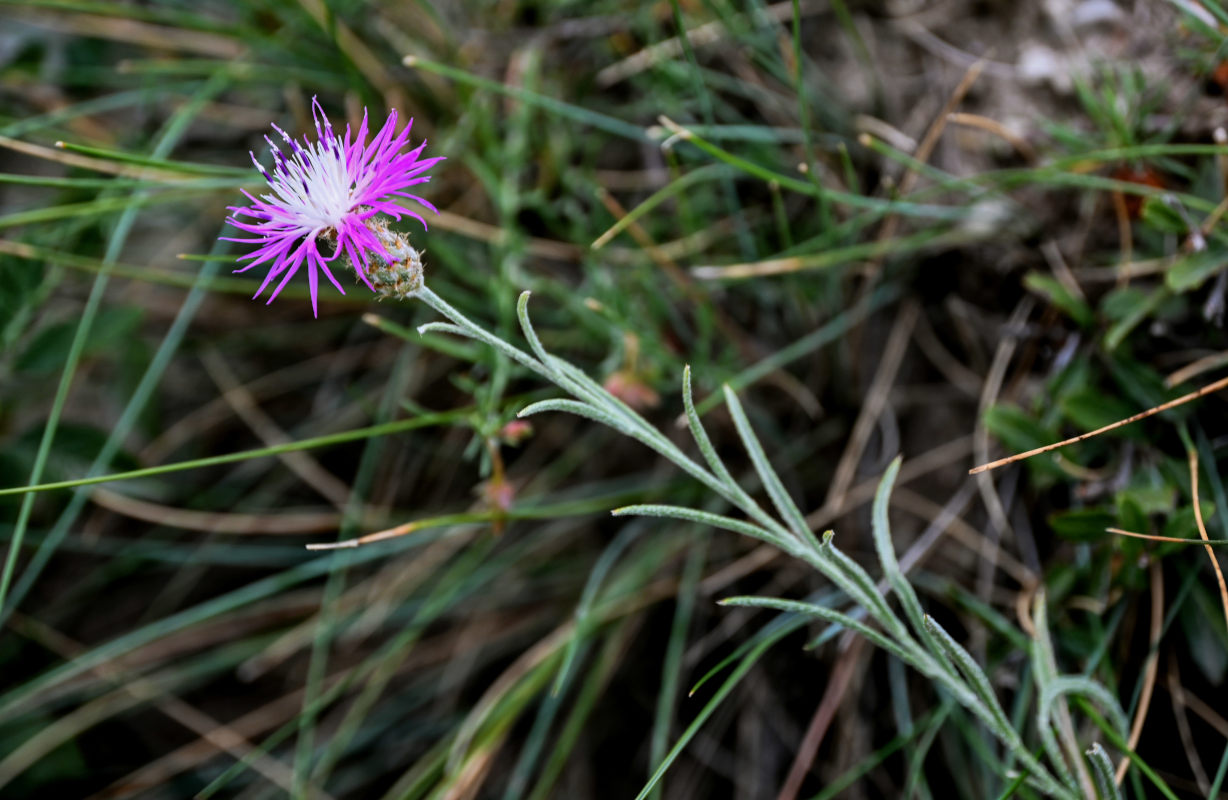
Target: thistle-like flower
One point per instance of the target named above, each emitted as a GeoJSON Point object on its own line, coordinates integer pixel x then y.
{"type": "Point", "coordinates": [332, 189]}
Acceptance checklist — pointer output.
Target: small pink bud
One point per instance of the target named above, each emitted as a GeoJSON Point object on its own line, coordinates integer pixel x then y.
{"type": "Point", "coordinates": [515, 432]}
{"type": "Point", "coordinates": [499, 495]}
{"type": "Point", "coordinates": [629, 388]}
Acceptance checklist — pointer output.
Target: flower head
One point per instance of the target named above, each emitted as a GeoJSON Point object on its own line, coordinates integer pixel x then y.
{"type": "Point", "coordinates": [329, 189]}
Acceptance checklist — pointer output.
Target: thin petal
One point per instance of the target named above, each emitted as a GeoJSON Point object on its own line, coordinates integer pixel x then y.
{"type": "Point", "coordinates": [312, 282]}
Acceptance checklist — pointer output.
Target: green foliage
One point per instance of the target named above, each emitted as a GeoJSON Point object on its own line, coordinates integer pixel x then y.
{"type": "Point", "coordinates": [167, 447]}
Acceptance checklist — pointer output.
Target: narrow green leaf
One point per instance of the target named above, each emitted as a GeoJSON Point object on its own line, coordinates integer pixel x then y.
{"type": "Point", "coordinates": [827, 615]}
{"type": "Point", "coordinates": [788, 510]}
{"type": "Point", "coordinates": [1102, 770]}
{"type": "Point", "coordinates": [747, 662]}
{"type": "Point", "coordinates": [1056, 293]}
{"type": "Point", "coordinates": [244, 455]}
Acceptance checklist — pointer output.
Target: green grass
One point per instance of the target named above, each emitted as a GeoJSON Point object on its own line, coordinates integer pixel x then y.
{"type": "Point", "coordinates": [551, 649]}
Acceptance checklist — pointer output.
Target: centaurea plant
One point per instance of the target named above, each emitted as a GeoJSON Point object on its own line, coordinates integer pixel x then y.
{"type": "Point", "coordinates": [337, 187]}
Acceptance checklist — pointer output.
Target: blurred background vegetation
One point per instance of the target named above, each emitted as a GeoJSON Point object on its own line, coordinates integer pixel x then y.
{"type": "Point", "coordinates": [951, 230]}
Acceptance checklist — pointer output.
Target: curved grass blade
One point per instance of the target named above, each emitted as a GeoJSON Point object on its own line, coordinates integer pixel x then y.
{"type": "Point", "coordinates": [748, 661]}
{"type": "Point", "coordinates": [827, 615]}
{"type": "Point", "coordinates": [581, 708]}
{"type": "Point", "coordinates": [567, 110]}
{"type": "Point", "coordinates": [1119, 742]}
{"type": "Point", "coordinates": [671, 666]}
{"type": "Point", "coordinates": [240, 174]}
{"type": "Point", "coordinates": [1102, 769]}
{"type": "Point", "coordinates": [830, 332]}
{"type": "Point", "coordinates": [658, 197]}
{"type": "Point", "coordinates": [588, 596]}
{"type": "Point", "coordinates": [706, 518]}
{"type": "Point", "coordinates": [244, 455]}
{"type": "Point", "coordinates": [900, 207]}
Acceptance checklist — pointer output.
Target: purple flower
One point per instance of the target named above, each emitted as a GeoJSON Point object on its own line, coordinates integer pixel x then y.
{"type": "Point", "coordinates": [329, 188]}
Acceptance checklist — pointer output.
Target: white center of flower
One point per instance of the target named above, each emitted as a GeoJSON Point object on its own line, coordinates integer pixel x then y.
{"type": "Point", "coordinates": [313, 185]}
